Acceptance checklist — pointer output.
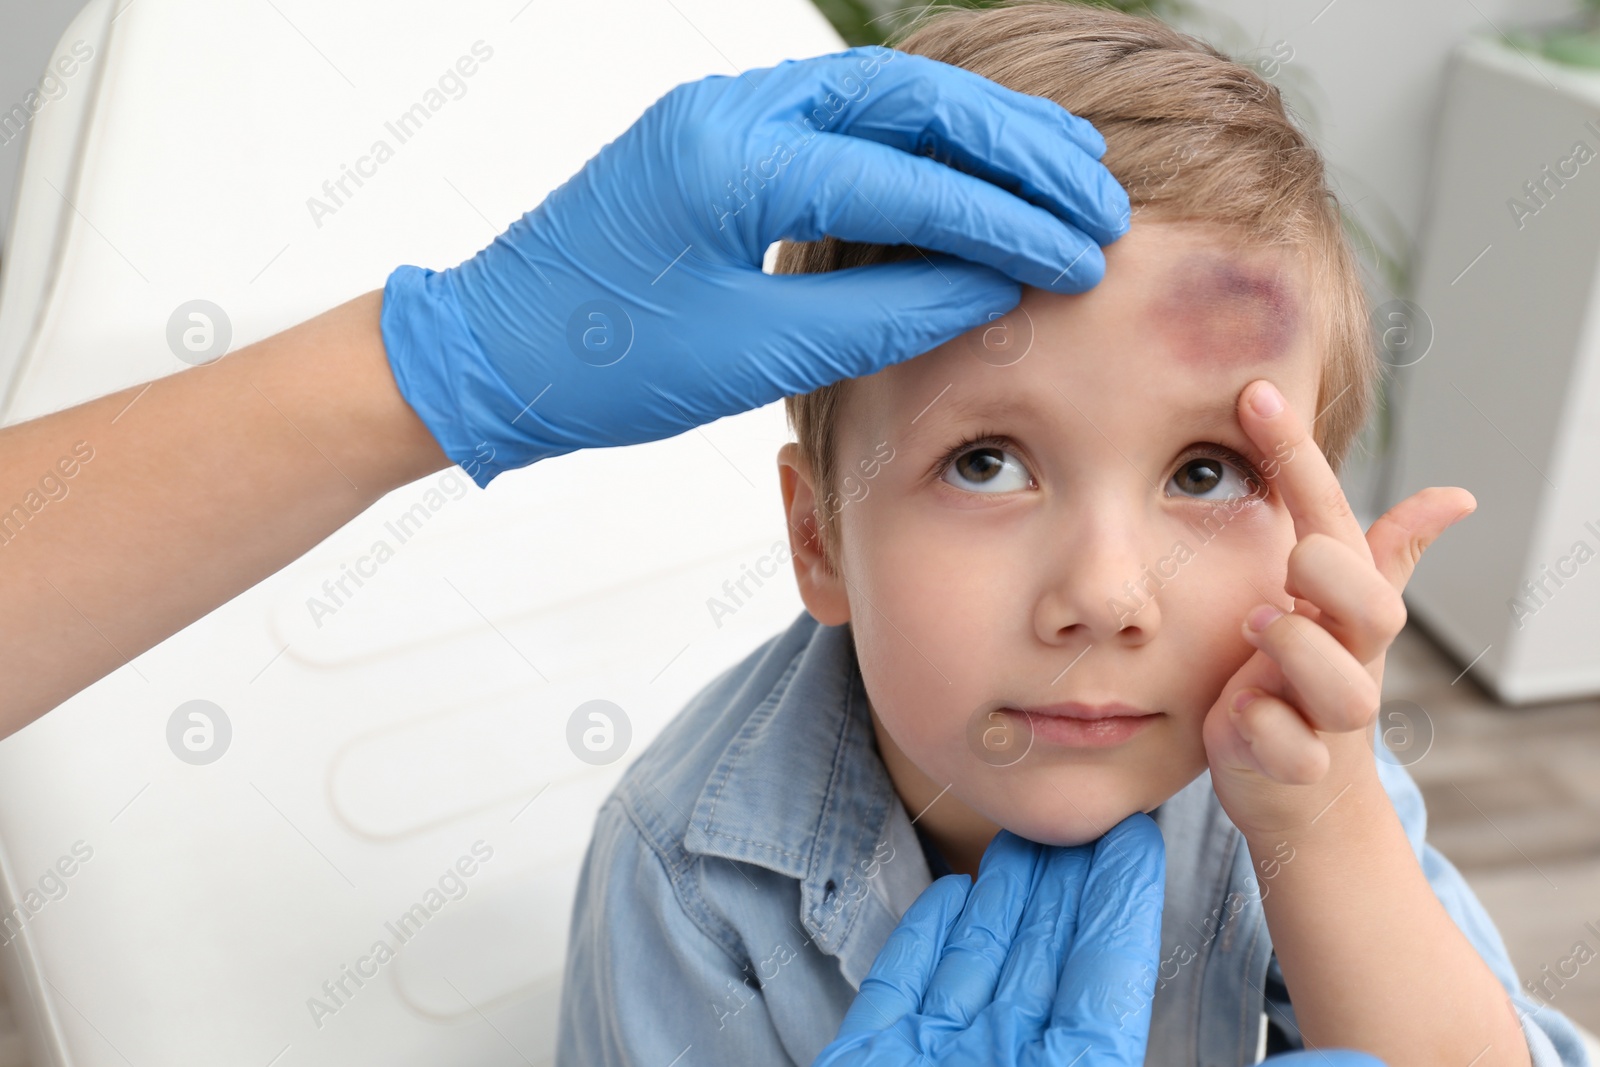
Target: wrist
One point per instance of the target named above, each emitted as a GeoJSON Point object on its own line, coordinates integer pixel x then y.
{"type": "Point", "coordinates": [330, 379]}
{"type": "Point", "coordinates": [441, 374]}
{"type": "Point", "coordinates": [1268, 810]}
{"type": "Point", "coordinates": [1339, 808]}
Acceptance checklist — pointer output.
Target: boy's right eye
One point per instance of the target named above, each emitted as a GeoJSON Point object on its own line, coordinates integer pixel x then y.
{"type": "Point", "coordinates": [987, 468]}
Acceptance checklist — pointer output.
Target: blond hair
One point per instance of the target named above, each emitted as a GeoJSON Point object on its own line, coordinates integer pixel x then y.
{"type": "Point", "coordinates": [1190, 134]}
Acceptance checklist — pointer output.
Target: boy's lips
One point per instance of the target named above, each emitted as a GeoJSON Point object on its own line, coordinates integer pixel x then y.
{"type": "Point", "coordinates": [1076, 725]}
{"type": "Point", "coordinates": [1086, 712]}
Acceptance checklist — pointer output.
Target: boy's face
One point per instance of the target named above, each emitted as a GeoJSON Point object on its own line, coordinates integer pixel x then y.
{"type": "Point", "coordinates": [1095, 550]}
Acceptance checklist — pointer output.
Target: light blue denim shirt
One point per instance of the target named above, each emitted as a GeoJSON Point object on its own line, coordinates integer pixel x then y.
{"type": "Point", "coordinates": [749, 866]}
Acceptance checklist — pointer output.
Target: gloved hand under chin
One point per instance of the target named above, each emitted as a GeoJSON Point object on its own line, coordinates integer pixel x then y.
{"type": "Point", "coordinates": [1049, 958]}
{"type": "Point", "coordinates": [631, 304]}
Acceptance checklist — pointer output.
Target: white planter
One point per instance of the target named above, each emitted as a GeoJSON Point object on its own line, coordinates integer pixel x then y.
{"type": "Point", "coordinates": [1506, 401]}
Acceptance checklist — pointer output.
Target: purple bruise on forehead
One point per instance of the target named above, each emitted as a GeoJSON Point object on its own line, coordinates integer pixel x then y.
{"type": "Point", "coordinates": [1219, 313]}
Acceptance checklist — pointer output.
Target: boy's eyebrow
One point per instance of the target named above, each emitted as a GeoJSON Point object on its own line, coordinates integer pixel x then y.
{"type": "Point", "coordinates": [953, 405]}
{"type": "Point", "coordinates": [1215, 414]}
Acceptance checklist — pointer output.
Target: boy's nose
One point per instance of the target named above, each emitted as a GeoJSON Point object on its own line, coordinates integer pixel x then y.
{"type": "Point", "coordinates": [1100, 583]}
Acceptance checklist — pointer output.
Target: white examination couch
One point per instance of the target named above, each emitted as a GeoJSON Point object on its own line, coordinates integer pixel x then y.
{"type": "Point", "coordinates": [421, 726]}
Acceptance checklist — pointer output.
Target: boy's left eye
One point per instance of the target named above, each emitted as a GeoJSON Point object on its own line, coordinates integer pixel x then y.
{"type": "Point", "coordinates": [1203, 473]}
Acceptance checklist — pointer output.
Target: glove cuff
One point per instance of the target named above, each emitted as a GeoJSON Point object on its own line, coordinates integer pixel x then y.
{"type": "Point", "coordinates": [443, 376]}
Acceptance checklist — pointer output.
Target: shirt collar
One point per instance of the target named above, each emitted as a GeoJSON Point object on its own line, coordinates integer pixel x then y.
{"type": "Point", "coordinates": [801, 790]}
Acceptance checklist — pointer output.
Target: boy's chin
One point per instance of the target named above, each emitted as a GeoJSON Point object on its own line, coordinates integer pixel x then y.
{"type": "Point", "coordinates": [1082, 822]}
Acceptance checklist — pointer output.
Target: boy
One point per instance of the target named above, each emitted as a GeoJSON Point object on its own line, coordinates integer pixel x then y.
{"type": "Point", "coordinates": [1023, 557]}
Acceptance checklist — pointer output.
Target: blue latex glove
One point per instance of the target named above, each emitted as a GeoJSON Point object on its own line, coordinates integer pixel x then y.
{"type": "Point", "coordinates": [631, 305]}
{"type": "Point", "coordinates": [1014, 971]}
{"type": "Point", "coordinates": [1049, 958]}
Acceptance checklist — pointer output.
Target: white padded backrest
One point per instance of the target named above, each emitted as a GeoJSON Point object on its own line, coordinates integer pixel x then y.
{"type": "Point", "coordinates": [422, 724]}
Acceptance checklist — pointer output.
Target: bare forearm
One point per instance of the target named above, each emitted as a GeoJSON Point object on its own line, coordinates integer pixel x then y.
{"type": "Point", "coordinates": [1372, 959]}
{"type": "Point", "coordinates": [196, 487]}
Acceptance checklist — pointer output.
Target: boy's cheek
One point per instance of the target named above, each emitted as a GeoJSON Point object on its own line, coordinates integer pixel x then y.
{"type": "Point", "coordinates": [913, 579]}
{"type": "Point", "coordinates": [1232, 574]}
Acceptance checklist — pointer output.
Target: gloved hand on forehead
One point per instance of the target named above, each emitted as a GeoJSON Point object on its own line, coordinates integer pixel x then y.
{"type": "Point", "coordinates": [1050, 957]}
{"type": "Point", "coordinates": [631, 304]}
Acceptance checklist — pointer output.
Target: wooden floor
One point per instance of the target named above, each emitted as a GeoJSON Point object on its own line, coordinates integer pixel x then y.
{"type": "Point", "coordinates": [1513, 800]}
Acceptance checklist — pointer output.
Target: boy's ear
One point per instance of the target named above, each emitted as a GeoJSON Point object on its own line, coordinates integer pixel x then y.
{"type": "Point", "coordinates": [822, 591]}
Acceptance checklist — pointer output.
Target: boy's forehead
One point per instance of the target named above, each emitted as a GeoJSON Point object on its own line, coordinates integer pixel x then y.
{"type": "Point", "coordinates": [1218, 310]}
{"type": "Point", "coordinates": [1185, 318]}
